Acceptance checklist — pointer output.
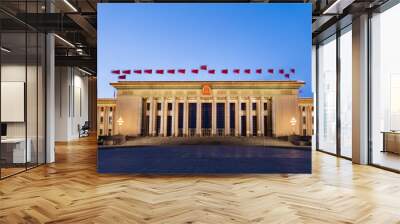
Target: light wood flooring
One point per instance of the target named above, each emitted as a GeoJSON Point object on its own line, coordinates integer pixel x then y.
{"type": "Point", "coordinates": [70, 191]}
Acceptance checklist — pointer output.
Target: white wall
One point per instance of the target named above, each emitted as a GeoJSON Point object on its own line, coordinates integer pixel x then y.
{"type": "Point", "coordinates": [9, 73]}
{"type": "Point", "coordinates": [71, 102]}
{"type": "Point", "coordinates": [16, 73]}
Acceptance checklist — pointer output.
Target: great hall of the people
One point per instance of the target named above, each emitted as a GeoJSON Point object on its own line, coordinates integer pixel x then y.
{"type": "Point", "coordinates": [215, 108]}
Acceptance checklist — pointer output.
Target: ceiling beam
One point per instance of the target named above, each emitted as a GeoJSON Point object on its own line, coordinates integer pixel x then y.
{"type": "Point", "coordinates": [79, 61]}
{"type": "Point", "coordinates": [86, 27]}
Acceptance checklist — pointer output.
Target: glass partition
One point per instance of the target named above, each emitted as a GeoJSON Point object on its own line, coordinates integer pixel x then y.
{"type": "Point", "coordinates": [22, 66]}
{"type": "Point", "coordinates": [327, 95]}
{"type": "Point", "coordinates": [385, 89]}
{"type": "Point", "coordinates": [346, 92]}
{"type": "Point", "coordinates": [13, 94]}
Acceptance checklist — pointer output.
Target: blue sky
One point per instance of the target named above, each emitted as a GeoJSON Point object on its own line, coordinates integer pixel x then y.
{"type": "Point", "coordinates": [174, 36]}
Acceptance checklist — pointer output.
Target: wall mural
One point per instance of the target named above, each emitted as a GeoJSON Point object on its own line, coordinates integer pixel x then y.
{"type": "Point", "coordinates": [204, 88]}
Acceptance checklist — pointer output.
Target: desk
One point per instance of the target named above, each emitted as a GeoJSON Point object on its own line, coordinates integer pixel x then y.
{"type": "Point", "coordinates": [17, 148]}
{"type": "Point", "coordinates": [391, 141]}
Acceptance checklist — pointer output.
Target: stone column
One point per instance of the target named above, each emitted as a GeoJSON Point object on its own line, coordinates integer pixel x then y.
{"type": "Point", "coordinates": [141, 116]}
{"type": "Point", "coordinates": [173, 118]}
{"type": "Point", "coordinates": [249, 124]}
{"type": "Point", "coordinates": [227, 118]}
{"type": "Point", "coordinates": [238, 122]}
{"type": "Point", "coordinates": [186, 118]}
{"type": "Point", "coordinates": [270, 117]}
{"type": "Point", "coordinates": [176, 118]}
{"type": "Point", "coordinates": [155, 112]}
{"type": "Point", "coordinates": [259, 115]}
{"type": "Point", "coordinates": [198, 117]}
{"type": "Point", "coordinates": [164, 116]}
{"type": "Point", "coordinates": [262, 112]}
{"type": "Point", "coordinates": [213, 118]}
{"type": "Point", "coordinates": [151, 118]}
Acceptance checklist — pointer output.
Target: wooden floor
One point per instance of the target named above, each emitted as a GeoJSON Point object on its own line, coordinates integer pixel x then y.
{"type": "Point", "coordinates": [5, 172]}
{"type": "Point", "coordinates": [70, 191]}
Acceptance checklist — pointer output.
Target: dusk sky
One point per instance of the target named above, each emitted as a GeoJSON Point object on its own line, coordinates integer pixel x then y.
{"type": "Point", "coordinates": [185, 36]}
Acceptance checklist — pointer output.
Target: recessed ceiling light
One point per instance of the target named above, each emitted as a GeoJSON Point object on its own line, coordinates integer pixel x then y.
{"type": "Point", "coordinates": [84, 71]}
{"type": "Point", "coordinates": [70, 5]}
{"type": "Point", "coordinates": [64, 40]}
{"type": "Point", "coordinates": [337, 7]}
{"type": "Point", "coordinates": [5, 50]}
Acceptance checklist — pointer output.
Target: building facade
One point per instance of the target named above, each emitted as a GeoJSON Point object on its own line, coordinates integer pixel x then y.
{"type": "Point", "coordinates": [194, 108]}
{"type": "Point", "coordinates": [306, 116]}
{"type": "Point", "coordinates": [105, 117]}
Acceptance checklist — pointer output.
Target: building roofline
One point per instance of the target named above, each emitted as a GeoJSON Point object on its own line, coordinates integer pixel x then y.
{"type": "Point", "coordinates": [306, 100]}
{"type": "Point", "coordinates": [106, 100]}
{"type": "Point", "coordinates": [271, 83]}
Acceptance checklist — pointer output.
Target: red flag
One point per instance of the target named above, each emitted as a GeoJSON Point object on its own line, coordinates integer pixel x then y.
{"type": "Point", "coordinates": [259, 71]}
{"type": "Point", "coordinates": [281, 71]}
{"type": "Point", "coordinates": [236, 71]}
{"type": "Point", "coordinates": [126, 72]}
{"type": "Point", "coordinates": [224, 71]}
{"type": "Point", "coordinates": [212, 71]}
{"type": "Point", "coordinates": [160, 71]}
{"type": "Point", "coordinates": [122, 77]}
{"type": "Point", "coordinates": [171, 71]}
{"type": "Point", "coordinates": [287, 76]}
{"type": "Point", "coordinates": [203, 67]}
{"type": "Point", "coordinates": [148, 71]}
{"type": "Point", "coordinates": [195, 71]}
{"type": "Point", "coordinates": [137, 71]}
{"type": "Point", "coordinates": [292, 70]}
{"type": "Point", "coordinates": [271, 71]}
{"type": "Point", "coordinates": [182, 71]}
{"type": "Point", "coordinates": [247, 71]}
{"type": "Point", "coordinates": [116, 72]}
